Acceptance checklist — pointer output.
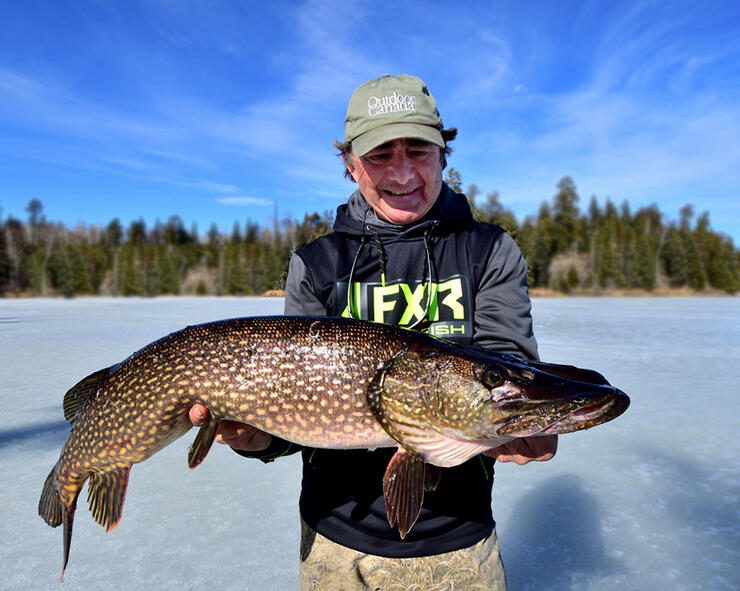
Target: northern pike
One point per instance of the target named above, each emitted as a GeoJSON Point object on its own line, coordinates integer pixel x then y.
{"type": "Point", "coordinates": [319, 382]}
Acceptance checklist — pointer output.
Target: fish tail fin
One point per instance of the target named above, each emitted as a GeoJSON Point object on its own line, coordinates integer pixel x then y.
{"type": "Point", "coordinates": [202, 443]}
{"type": "Point", "coordinates": [403, 489]}
{"type": "Point", "coordinates": [106, 494]}
{"type": "Point", "coordinates": [69, 517]}
{"type": "Point", "coordinates": [55, 512]}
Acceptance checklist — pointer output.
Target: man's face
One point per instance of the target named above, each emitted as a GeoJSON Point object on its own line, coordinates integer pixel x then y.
{"type": "Point", "coordinates": [400, 180]}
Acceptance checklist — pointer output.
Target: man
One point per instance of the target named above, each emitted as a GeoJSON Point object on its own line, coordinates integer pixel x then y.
{"type": "Point", "coordinates": [405, 250]}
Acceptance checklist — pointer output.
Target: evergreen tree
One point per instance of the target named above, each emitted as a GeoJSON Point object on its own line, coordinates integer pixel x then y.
{"type": "Point", "coordinates": [494, 212]}
{"type": "Point", "coordinates": [313, 226]}
{"type": "Point", "coordinates": [607, 256]}
{"type": "Point", "coordinates": [721, 273]}
{"type": "Point", "coordinates": [131, 272]}
{"type": "Point", "coordinates": [629, 259]}
{"type": "Point", "coordinates": [454, 179]}
{"type": "Point", "coordinates": [646, 265]}
{"type": "Point", "coordinates": [539, 263]}
{"type": "Point", "coordinates": [236, 234]}
{"type": "Point", "coordinates": [696, 276]}
{"type": "Point", "coordinates": [68, 273]}
{"type": "Point", "coordinates": [6, 265]}
{"type": "Point", "coordinates": [100, 261]}
{"type": "Point", "coordinates": [234, 270]}
{"type": "Point", "coordinates": [35, 211]}
{"type": "Point", "coordinates": [674, 259]}
{"type": "Point", "coordinates": [565, 215]}
{"type": "Point", "coordinates": [174, 232]}
{"type": "Point", "coordinates": [168, 267]}
{"type": "Point", "coordinates": [137, 233]}
{"type": "Point", "coordinates": [113, 235]}
{"type": "Point", "coordinates": [212, 247]}
{"type": "Point", "coordinates": [594, 214]}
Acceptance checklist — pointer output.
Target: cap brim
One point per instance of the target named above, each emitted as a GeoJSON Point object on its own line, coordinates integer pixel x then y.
{"type": "Point", "coordinates": [370, 140]}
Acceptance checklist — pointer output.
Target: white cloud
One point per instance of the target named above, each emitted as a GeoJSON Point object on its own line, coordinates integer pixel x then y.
{"type": "Point", "coordinates": [235, 200]}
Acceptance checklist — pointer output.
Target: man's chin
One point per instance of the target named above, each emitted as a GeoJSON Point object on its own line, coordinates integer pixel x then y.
{"type": "Point", "coordinates": [402, 217]}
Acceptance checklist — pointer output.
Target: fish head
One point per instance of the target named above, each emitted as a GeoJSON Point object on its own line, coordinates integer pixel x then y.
{"type": "Point", "coordinates": [556, 399]}
{"type": "Point", "coordinates": [469, 394]}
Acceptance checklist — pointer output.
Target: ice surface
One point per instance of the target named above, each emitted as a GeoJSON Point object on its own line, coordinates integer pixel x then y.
{"type": "Point", "coordinates": [649, 501]}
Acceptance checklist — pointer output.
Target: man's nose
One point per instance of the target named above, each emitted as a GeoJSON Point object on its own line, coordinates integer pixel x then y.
{"type": "Point", "coordinates": [401, 168]}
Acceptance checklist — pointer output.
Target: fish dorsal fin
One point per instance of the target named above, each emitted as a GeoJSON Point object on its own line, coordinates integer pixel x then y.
{"type": "Point", "coordinates": [78, 394]}
{"type": "Point", "coordinates": [106, 493]}
{"type": "Point", "coordinates": [202, 443]}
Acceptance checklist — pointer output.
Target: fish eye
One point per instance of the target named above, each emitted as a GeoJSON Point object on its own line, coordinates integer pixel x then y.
{"type": "Point", "coordinates": [491, 378]}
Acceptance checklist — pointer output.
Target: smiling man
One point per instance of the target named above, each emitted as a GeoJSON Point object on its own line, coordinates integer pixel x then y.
{"type": "Point", "coordinates": [400, 180]}
{"type": "Point", "coordinates": [405, 250]}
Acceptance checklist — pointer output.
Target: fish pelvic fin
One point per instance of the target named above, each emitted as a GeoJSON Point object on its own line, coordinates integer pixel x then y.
{"type": "Point", "coordinates": [432, 476]}
{"type": "Point", "coordinates": [106, 493]}
{"type": "Point", "coordinates": [202, 443]}
{"type": "Point", "coordinates": [403, 489]}
{"type": "Point", "coordinates": [50, 503]}
{"type": "Point", "coordinates": [78, 394]}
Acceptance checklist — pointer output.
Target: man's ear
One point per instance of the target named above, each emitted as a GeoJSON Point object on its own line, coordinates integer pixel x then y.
{"type": "Point", "coordinates": [350, 166]}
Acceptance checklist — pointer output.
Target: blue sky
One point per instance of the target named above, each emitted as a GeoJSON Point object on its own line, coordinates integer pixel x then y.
{"type": "Point", "coordinates": [220, 111]}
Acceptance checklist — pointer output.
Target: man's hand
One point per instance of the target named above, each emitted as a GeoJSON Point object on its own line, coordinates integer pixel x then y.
{"type": "Point", "coordinates": [232, 433]}
{"type": "Point", "coordinates": [526, 449]}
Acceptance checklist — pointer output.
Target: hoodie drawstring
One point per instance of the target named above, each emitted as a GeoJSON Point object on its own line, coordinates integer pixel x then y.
{"type": "Point", "coordinates": [350, 298]}
{"type": "Point", "coordinates": [427, 272]}
{"type": "Point", "coordinates": [382, 259]}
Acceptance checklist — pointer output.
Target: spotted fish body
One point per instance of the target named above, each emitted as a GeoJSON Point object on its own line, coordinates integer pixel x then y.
{"type": "Point", "coordinates": [319, 382]}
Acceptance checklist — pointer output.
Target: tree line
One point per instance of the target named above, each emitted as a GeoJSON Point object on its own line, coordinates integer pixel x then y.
{"type": "Point", "coordinates": [604, 248]}
{"type": "Point", "coordinates": [611, 247]}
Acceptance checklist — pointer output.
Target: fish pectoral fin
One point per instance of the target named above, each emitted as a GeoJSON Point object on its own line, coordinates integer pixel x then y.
{"type": "Point", "coordinates": [447, 451]}
{"type": "Point", "coordinates": [403, 489]}
{"type": "Point", "coordinates": [106, 493]}
{"type": "Point", "coordinates": [202, 443]}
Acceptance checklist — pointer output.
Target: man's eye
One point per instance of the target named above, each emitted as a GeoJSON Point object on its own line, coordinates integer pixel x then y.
{"type": "Point", "coordinates": [377, 158]}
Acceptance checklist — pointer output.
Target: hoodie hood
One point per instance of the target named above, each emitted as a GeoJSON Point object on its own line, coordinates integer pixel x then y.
{"type": "Point", "coordinates": [450, 209]}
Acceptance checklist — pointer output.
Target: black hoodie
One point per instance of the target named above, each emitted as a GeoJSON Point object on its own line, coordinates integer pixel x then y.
{"type": "Point", "coordinates": [467, 281]}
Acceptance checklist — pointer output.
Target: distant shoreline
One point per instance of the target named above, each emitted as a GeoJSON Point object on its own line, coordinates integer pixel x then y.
{"type": "Point", "coordinates": [537, 292]}
{"type": "Point", "coordinates": [543, 292]}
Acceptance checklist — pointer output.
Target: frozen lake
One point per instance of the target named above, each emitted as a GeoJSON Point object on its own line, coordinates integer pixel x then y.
{"type": "Point", "coordinates": [649, 501]}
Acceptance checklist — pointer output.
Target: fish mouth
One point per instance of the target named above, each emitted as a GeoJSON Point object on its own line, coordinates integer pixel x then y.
{"type": "Point", "coordinates": [566, 416]}
{"type": "Point", "coordinates": [589, 416]}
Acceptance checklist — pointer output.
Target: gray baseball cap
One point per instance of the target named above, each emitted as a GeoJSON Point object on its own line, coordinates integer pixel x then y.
{"type": "Point", "coordinates": [389, 108]}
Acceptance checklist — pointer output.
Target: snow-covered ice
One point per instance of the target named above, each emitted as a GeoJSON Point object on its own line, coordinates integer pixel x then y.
{"type": "Point", "coordinates": [649, 501]}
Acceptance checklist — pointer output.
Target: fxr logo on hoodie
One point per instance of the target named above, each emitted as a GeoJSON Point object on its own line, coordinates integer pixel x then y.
{"type": "Point", "coordinates": [448, 308]}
